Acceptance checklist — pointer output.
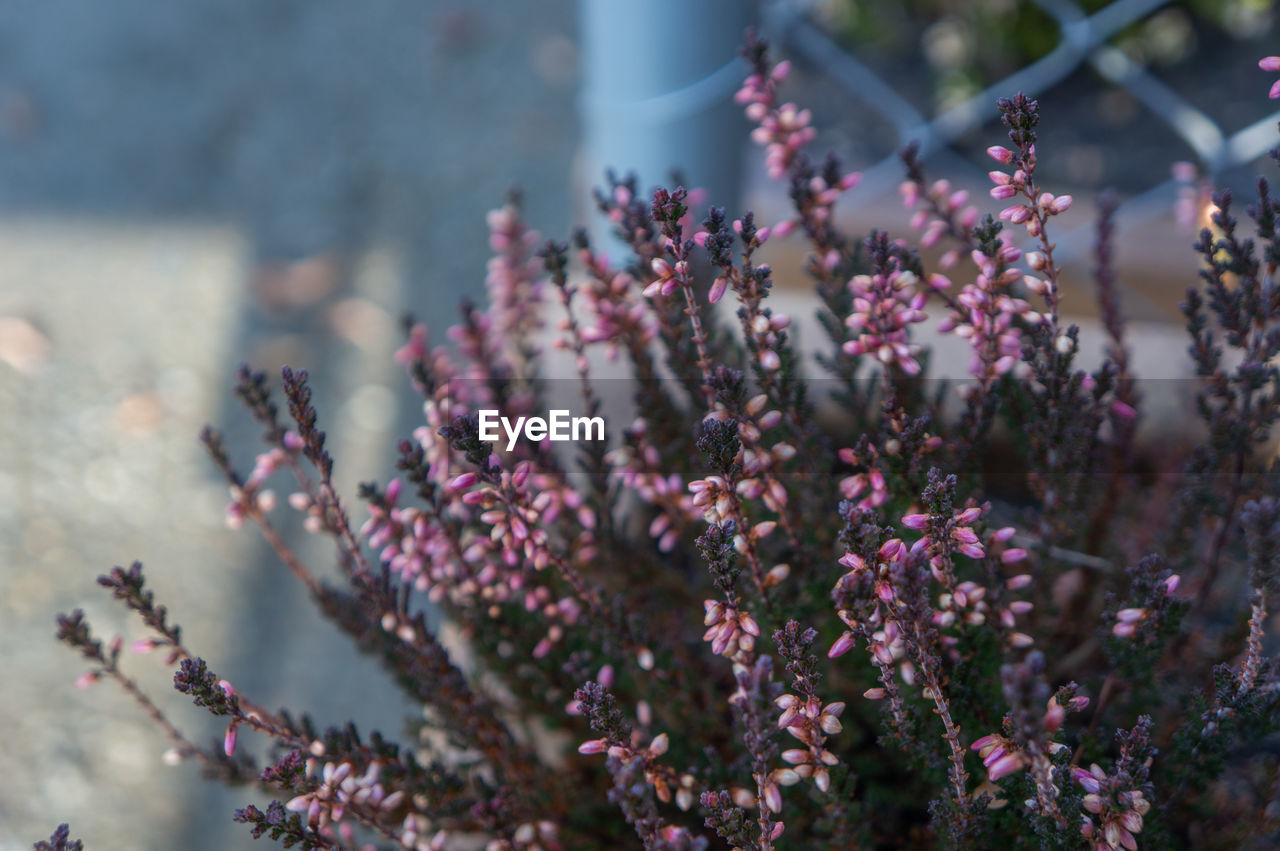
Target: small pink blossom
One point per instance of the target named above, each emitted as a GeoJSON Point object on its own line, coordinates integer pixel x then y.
{"type": "Point", "coordinates": [1272, 63]}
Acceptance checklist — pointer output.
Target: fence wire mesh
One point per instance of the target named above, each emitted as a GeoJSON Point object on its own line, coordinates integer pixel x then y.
{"type": "Point", "coordinates": [1084, 43]}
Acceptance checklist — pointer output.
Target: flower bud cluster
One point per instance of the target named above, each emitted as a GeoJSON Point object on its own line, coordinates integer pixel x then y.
{"type": "Point", "coordinates": [871, 585]}
{"type": "Point", "coordinates": [715, 498]}
{"type": "Point", "coordinates": [1131, 620]}
{"type": "Point", "coordinates": [809, 721]}
{"type": "Point", "coordinates": [1272, 64]}
{"type": "Point", "coordinates": [1037, 208]}
{"type": "Point", "coordinates": [987, 316]}
{"type": "Point", "coordinates": [783, 130]}
{"type": "Point", "coordinates": [519, 510]}
{"type": "Point", "coordinates": [513, 277]}
{"type": "Point", "coordinates": [1002, 757]}
{"type": "Point", "coordinates": [869, 486]}
{"type": "Point", "coordinates": [760, 464]}
{"type": "Point", "coordinates": [253, 495]}
{"type": "Point", "coordinates": [640, 466]}
{"type": "Point", "coordinates": [732, 633]}
{"type": "Point", "coordinates": [885, 305]}
{"type": "Point", "coordinates": [632, 750]}
{"type": "Point", "coordinates": [1116, 812]}
{"type": "Point", "coordinates": [615, 316]}
{"type": "Point", "coordinates": [416, 548]}
{"type": "Point", "coordinates": [340, 789]}
{"type": "Point", "coordinates": [939, 209]}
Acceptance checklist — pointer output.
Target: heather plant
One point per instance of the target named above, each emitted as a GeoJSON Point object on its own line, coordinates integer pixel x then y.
{"type": "Point", "coordinates": [872, 610]}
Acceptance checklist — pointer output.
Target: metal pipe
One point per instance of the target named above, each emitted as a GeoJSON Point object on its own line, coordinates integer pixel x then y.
{"type": "Point", "coordinates": [657, 94]}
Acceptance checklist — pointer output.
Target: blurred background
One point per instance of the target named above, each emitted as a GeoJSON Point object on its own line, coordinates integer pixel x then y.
{"type": "Point", "coordinates": [188, 186]}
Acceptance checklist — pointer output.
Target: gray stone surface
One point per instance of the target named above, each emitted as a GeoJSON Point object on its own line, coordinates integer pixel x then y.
{"type": "Point", "coordinates": [159, 163]}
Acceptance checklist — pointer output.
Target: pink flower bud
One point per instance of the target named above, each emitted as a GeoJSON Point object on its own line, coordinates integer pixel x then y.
{"type": "Point", "coordinates": [1017, 213]}
{"type": "Point", "coordinates": [1000, 155]}
{"type": "Point", "coordinates": [1270, 63]}
{"type": "Point", "coordinates": [1122, 410]}
{"type": "Point", "coordinates": [773, 797]}
{"type": "Point", "coordinates": [892, 549]}
{"type": "Point", "coordinates": [853, 561]}
{"type": "Point", "coordinates": [1131, 615]}
{"type": "Point", "coordinates": [229, 741]}
{"type": "Point", "coordinates": [463, 481]}
{"type": "Point", "coordinates": [1007, 764]}
{"type": "Point", "coordinates": [1184, 171]}
{"type": "Point", "coordinates": [910, 192]}
{"type": "Point", "coordinates": [777, 575]}
{"type": "Point", "coordinates": [795, 756]}
{"type": "Point", "coordinates": [842, 645]}
{"type": "Point", "coordinates": [593, 746]}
